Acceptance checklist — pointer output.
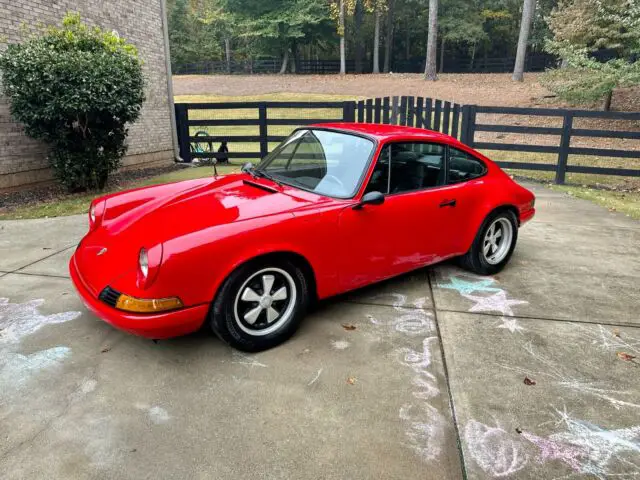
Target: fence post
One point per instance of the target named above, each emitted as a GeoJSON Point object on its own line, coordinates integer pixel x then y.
{"type": "Point", "coordinates": [565, 142]}
{"type": "Point", "coordinates": [262, 118]}
{"type": "Point", "coordinates": [182, 126]}
{"type": "Point", "coordinates": [394, 111]}
{"type": "Point", "coordinates": [349, 111]}
{"type": "Point", "coordinates": [468, 128]}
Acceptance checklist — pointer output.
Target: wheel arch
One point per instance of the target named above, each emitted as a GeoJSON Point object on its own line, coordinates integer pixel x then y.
{"type": "Point", "coordinates": [480, 220]}
{"type": "Point", "coordinates": [279, 255]}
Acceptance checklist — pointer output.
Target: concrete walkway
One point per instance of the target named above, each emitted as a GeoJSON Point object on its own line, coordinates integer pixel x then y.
{"type": "Point", "coordinates": [528, 374]}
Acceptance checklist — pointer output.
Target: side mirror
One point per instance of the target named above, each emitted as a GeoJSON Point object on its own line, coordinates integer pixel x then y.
{"type": "Point", "coordinates": [247, 167]}
{"type": "Point", "coordinates": [370, 198]}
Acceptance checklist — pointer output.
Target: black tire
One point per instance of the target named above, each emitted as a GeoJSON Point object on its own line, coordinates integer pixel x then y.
{"type": "Point", "coordinates": [229, 305]}
{"type": "Point", "coordinates": [475, 259]}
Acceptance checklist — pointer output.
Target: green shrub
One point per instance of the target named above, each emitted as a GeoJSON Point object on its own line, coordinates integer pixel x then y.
{"type": "Point", "coordinates": [76, 88]}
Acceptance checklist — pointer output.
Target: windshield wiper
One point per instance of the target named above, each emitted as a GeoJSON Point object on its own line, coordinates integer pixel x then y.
{"type": "Point", "coordinates": [263, 174]}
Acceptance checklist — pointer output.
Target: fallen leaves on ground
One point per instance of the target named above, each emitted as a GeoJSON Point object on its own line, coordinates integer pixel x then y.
{"type": "Point", "coordinates": [625, 356]}
{"type": "Point", "coordinates": [528, 381]}
{"type": "Point", "coordinates": [351, 380]}
{"type": "Point", "coordinates": [616, 332]}
{"type": "Point", "coordinates": [105, 349]}
{"type": "Point", "coordinates": [348, 326]}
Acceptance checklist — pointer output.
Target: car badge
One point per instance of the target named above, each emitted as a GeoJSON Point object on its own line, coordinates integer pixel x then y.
{"type": "Point", "coordinates": [102, 252]}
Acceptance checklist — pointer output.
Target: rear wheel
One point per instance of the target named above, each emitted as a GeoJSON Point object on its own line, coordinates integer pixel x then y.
{"type": "Point", "coordinates": [260, 305]}
{"type": "Point", "coordinates": [493, 245]}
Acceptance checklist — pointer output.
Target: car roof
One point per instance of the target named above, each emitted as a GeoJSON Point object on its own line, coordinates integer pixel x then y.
{"type": "Point", "coordinates": [388, 132]}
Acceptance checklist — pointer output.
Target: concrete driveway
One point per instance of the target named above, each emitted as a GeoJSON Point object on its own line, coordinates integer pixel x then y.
{"type": "Point", "coordinates": [529, 374]}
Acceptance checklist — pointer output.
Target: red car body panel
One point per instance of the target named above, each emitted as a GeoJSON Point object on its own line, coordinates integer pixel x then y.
{"type": "Point", "coordinates": [206, 228]}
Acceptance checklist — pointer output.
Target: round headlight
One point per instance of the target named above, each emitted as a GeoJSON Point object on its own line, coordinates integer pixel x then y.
{"type": "Point", "coordinates": [143, 262]}
{"type": "Point", "coordinates": [92, 213]}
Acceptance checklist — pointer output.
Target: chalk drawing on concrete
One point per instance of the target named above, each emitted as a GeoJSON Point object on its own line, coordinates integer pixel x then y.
{"type": "Point", "coordinates": [561, 376]}
{"type": "Point", "coordinates": [511, 324]}
{"type": "Point", "coordinates": [315, 378]}
{"type": "Point", "coordinates": [156, 414]}
{"type": "Point", "coordinates": [465, 287]}
{"type": "Point", "coordinates": [483, 291]}
{"type": "Point", "coordinates": [590, 449]}
{"type": "Point", "coordinates": [249, 361]}
{"type": "Point", "coordinates": [496, 302]}
{"type": "Point", "coordinates": [494, 450]}
{"type": "Point", "coordinates": [17, 369]}
{"type": "Point", "coordinates": [424, 425]}
{"type": "Point", "coordinates": [18, 320]}
{"type": "Point", "coordinates": [605, 339]}
{"type": "Point", "coordinates": [340, 344]}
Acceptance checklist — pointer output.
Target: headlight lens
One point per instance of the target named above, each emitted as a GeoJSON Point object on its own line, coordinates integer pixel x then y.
{"type": "Point", "coordinates": [143, 262]}
{"type": "Point", "coordinates": [92, 213]}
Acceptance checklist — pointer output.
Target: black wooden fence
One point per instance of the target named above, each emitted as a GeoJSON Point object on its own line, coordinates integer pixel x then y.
{"type": "Point", "coordinates": [535, 62]}
{"type": "Point", "coordinates": [258, 125]}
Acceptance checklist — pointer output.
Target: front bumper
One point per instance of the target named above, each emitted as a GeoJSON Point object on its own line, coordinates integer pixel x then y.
{"type": "Point", "coordinates": [527, 215]}
{"type": "Point", "coordinates": [156, 326]}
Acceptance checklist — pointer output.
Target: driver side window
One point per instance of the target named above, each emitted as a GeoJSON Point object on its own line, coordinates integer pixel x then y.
{"type": "Point", "coordinates": [407, 167]}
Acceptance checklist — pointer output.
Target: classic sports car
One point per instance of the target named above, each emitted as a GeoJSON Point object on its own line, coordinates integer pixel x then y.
{"type": "Point", "coordinates": [335, 207]}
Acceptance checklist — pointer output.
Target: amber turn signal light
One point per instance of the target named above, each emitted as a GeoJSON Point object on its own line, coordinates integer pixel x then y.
{"type": "Point", "coordinates": [147, 305]}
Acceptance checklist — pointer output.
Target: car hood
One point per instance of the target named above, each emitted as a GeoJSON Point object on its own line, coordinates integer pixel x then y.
{"type": "Point", "coordinates": [150, 216]}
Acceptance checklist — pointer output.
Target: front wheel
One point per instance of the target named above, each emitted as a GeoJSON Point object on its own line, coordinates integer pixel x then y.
{"type": "Point", "coordinates": [260, 305]}
{"type": "Point", "coordinates": [493, 245]}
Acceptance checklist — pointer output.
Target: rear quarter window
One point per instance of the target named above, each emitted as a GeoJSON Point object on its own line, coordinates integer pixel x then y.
{"type": "Point", "coordinates": [463, 166]}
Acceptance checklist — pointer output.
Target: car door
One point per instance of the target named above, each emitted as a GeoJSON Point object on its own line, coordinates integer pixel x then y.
{"type": "Point", "coordinates": [466, 185]}
{"type": "Point", "coordinates": [411, 228]}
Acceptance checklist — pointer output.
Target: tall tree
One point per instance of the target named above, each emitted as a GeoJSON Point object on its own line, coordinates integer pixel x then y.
{"type": "Point", "coordinates": [388, 47]}
{"type": "Point", "coordinates": [430, 71]}
{"type": "Point", "coordinates": [376, 42]}
{"type": "Point", "coordinates": [528, 9]}
{"type": "Point", "coordinates": [359, 47]}
{"type": "Point", "coordinates": [343, 63]}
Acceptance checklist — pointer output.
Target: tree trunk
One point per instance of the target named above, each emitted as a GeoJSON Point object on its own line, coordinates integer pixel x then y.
{"type": "Point", "coordinates": [473, 57]}
{"type": "Point", "coordinates": [343, 65]}
{"type": "Point", "coordinates": [528, 9]}
{"type": "Point", "coordinates": [388, 48]}
{"type": "Point", "coordinates": [227, 53]}
{"type": "Point", "coordinates": [607, 101]}
{"type": "Point", "coordinates": [285, 61]}
{"type": "Point", "coordinates": [432, 39]}
{"type": "Point", "coordinates": [376, 43]}
{"type": "Point", "coordinates": [407, 45]}
{"type": "Point", "coordinates": [441, 69]}
{"type": "Point", "coordinates": [295, 57]}
{"type": "Point", "coordinates": [359, 16]}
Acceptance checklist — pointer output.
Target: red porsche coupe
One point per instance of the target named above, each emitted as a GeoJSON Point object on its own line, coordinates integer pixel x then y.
{"type": "Point", "coordinates": [335, 207]}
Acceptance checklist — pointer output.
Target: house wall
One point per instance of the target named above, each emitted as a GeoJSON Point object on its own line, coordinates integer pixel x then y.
{"type": "Point", "coordinates": [23, 161]}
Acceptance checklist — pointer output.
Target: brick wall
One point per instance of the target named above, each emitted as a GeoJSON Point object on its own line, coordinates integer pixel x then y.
{"type": "Point", "coordinates": [23, 160]}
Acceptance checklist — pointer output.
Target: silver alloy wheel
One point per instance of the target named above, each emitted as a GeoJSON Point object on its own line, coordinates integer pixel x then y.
{"type": "Point", "coordinates": [497, 241]}
{"type": "Point", "coordinates": [265, 301]}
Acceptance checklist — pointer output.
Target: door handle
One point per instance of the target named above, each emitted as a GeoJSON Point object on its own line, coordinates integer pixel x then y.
{"type": "Point", "coordinates": [448, 203]}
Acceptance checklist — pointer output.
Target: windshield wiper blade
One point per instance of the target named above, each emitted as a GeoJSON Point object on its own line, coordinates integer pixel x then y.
{"type": "Point", "coordinates": [263, 174]}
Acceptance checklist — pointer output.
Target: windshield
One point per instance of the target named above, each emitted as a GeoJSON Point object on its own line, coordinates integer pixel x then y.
{"type": "Point", "coordinates": [322, 161]}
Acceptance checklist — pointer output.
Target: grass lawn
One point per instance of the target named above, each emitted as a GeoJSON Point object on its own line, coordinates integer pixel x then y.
{"type": "Point", "coordinates": [79, 203]}
{"type": "Point", "coordinates": [623, 202]}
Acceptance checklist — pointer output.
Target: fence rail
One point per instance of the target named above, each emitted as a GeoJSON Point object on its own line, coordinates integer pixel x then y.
{"type": "Point", "coordinates": [534, 63]}
{"type": "Point", "coordinates": [256, 125]}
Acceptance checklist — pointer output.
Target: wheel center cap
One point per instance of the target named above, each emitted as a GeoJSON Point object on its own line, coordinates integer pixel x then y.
{"type": "Point", "coordinates": [266, 301]}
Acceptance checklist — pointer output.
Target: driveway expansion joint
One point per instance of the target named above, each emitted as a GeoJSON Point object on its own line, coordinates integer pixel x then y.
{"type": "Point", "coordinates": [447, 381]}
{"type": "Point", "coordinates": [532, 317]}
{"type": "Point", "coordinates": [17, 270]}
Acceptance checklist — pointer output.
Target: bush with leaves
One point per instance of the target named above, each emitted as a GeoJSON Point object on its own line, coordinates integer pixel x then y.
{"type": "Point", "coordinates": [582, 27]}
{"type": "Point", "coordinates": [76, 88]}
